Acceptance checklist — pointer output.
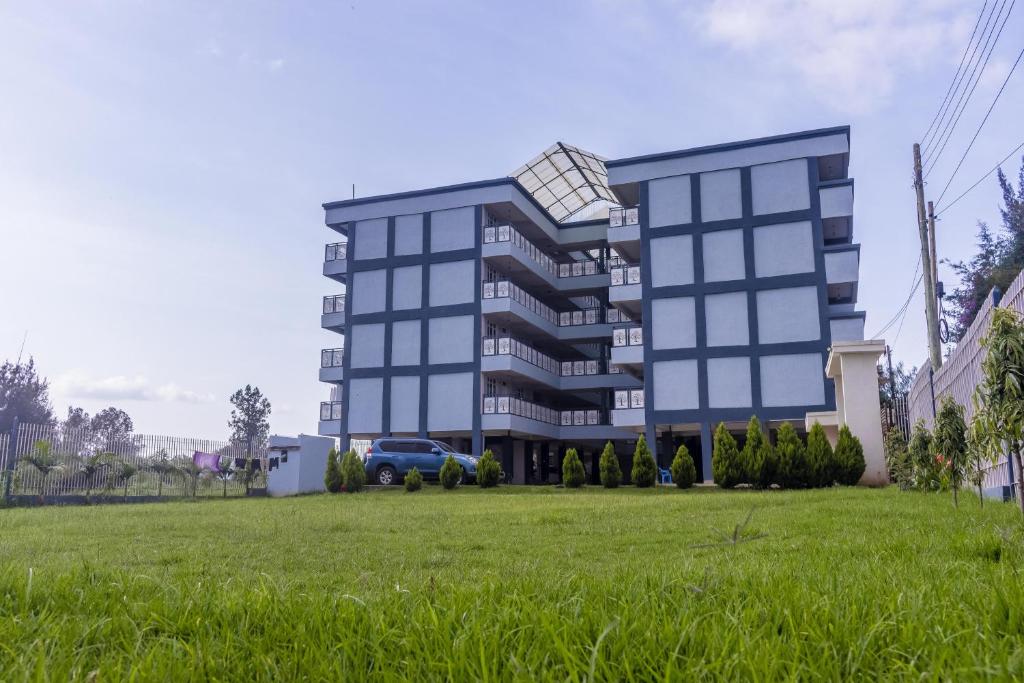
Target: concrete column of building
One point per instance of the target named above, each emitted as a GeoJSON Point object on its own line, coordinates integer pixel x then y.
{"type": "Point", "coordinates": [506, 456]}
{"type": "Point", "coordinates": [545, 461]}
{"type": "Point", "coordinates": [529, 449]}
{"type": "Point", "coordinates": [595, 466]}
{"type": "Point", "coordinates": [706, 446]}
{"type": "Point", "coordinates": [558, 462]}
{"type": "Point", "coordinates": [853, 366]}
{"type": "Point", "coordinates": [519, 461]}
{"type": "Point", "coordinates": [668, 450]}
{"type": "Point", "coordinates": [651, 435]}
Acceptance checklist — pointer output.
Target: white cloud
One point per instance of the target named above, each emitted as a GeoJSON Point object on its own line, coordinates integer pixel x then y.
{"type": "Point", "coordinates": [275, 64]}
{"type": "Point", "coordinates": [849, 54]}
{"type": "Point", "coordinates": [124, 388]}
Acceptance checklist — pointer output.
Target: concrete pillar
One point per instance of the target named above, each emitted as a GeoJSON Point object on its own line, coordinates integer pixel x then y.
{"type": "Point", "coordinates": [506, 455]}
{"type": "Point", "coordinates": [558, 463]}
{"type": "Point", "coordinates": [545, 462]}
{"type": "Point", "coordinates": [706, 449]}
{"type": "Point", "coordinates": [595, 467]}
{"type": "Point", "coordinates": [519, 462]}
{"type": "Point", "coordinates": [667, 450]}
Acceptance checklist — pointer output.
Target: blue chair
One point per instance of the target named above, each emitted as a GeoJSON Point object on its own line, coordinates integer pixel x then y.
{"type": "Point", "coordinates": [665, 476]}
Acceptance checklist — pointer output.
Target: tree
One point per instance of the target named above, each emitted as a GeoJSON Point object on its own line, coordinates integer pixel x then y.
{"type": "Point", "coordinates": [353, 474]}
{"type": "Point", "coordinates": [113, 429]}
{"type": "Point", "coordinates": [683, 471]}
{"type": "Point", "coordinates": [950, 442]}
{"type": "Point", "coordinates": [44, 461]}
{"type": "Point", "coordinates": [897, 459]}
{"type": "Point", "coordinates": [332, 477]}
{"type": "Point", "coordinates": [726, 466]}
{"type": "Point", "coordinates": [23, 394]}
{"type": "Point", "coordinates": [77, 419]}
{"type": "Point", "coordinates": [250, 418]}
{"type": "Point", "coordinates": [924, 474]}
{"type": "Point", "coordinates": [849, 457]}
{"type": "Point", "coordinates": [977, 456]}
{"type": "Point", "coordinates": [189, 471]}
{"type": "Point", "coordinates": [225, 472]}
{"type": "Point", "coordinates": [819, 456]}
{"type": "Point", "coordinates": [488, 470]}
{"type": "Point", "coordinates": [573, 473]}
{"type": "Point", "coordinates": [413, 480]}
{"type": "Point", "coordinates": [794, 470]}
{"type": "Point", "coordinates": [758, 456]}
{"type": "Point", "coordinates": [645, 470]}
{"type": "Point", "coordinates": [123, 475]}
{"type": "Point", "coordinates": [162, 467]}
{"type": "Point", "coordinates": [451, 473]}
{"type": "Point", "coordinates": [999, 398]}
{"type": "Point", "coordinates": [611, 473]}
{"type": "Point", "coordinates": [91, 465]}
{"type": "Point", "coordinates": [901, 379]}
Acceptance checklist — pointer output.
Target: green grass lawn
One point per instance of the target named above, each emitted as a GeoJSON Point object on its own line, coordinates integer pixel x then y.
{"type": "Point", "coordinates": [515, 584]}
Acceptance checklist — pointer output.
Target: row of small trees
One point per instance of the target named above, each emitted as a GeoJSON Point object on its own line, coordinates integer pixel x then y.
{"type": "Point", "coordinates": [789, 463]}
{"type": "Point", "coordinates": [348, 475]}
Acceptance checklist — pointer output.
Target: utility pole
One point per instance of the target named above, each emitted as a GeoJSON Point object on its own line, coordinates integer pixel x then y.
{"type": "Point", "coordinates": [892, 387]}
{"type": "Point", "coordinates": [931, 246]}
{"type": "Point", "coordinates": [931, 312]}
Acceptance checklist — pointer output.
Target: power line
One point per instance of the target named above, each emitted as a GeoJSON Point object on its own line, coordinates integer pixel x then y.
{"type": "Point", "coordinates": [902, 309]}
{"type": "Point", "coordinates": [948, 136]}
{"type": "Point", "coordinates": [957, 73]}
{"type": "Point", "coordinates": [981, 125]}
{"type": "Point", "coordinates": [978, 182]}
{"type": "Point", "coordinates": [956, 88]}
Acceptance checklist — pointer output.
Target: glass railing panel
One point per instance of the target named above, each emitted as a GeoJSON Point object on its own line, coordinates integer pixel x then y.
{"type": "Point", "coordinates": [336, 252]}
{"type": "Point", "coordinates": [330, 410]}
{"type": "Point", "coordinates": [628, 336]}
{"type": "Point", "coordinates": [334, 304]}
{"type": "Point", "coordinates": [332, 358]}
{"type": "Point", "coordinates": [623, 217]}
{"type": "Point", "coordinates": [628, 398]}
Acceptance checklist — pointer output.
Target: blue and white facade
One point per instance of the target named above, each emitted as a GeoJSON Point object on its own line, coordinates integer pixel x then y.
{"type": "Point", "coordinates": [660, 294]}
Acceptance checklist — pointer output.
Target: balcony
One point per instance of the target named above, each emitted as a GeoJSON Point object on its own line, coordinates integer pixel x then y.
{"type": "Point", "coordinates": [335, 261]}
{"type": "Point", "coordinates": [333, 315]}
{"type": "Point", "coordinates": [515, 254]}
{"type": "Point", "coordinates": [330, 418]}
{"type": "Point", "coordinates": [507, 356]}
{"type": "Point", "coordinates": [509, 414]}
{"type": "Point", "coordinates": [624, 231]}
{"type": "Point", "coordinates": [842, 267]}
{"type": "Point", "coordinates": [331, 362]}
{"type": "Point", "coordinates": [628, 348]}
{"type": "Point", "coordinates": [505, 302]}
{"type": "Point", "coordinates": [836, 202]}
{"type": "Point", "coordinates": [629, 408]}
{"type": "Point", "coordinates": [626, 290]}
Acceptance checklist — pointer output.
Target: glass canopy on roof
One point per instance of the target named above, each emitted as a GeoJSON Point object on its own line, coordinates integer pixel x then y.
{"type": "Point", "coordinates": [566, 180]}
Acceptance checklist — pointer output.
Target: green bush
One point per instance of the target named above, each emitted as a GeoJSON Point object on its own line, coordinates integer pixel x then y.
{"type": "Point", "coordinates": [726, 466]}
{"type": "Point", "coordinates": [819, 457]}
{"type": "Point", "coordinates": [645, 470]}
{"type": "Point", "coordinates": [793, 469]}
{"type": "Point", "coordinates": [611, 473]}
{"type": "Point", "coordinates": [751, 453]}
{"type": "Point", "coordinates": [849, 456]}
{"type": "Point", "coordinates": [332, 477]}
{"type": "Point", "coordinates": [451, 473]}
{"type": "Point", "coordinates": [897, 459]}
{"type": "Point", "coordinates": [413, 480]}
{"type": "Point", "coordinates": [683, 471]}
{"type": "Point", "coordinates": [950, 443]}
{"type": "Point", "coordinates": [353, 475]}
{"type": "Point", "coordinates": [926, 475]}
{"type": "Point", "coordinates": [488, 471]}
{"type": "Point", "coordinates": [573, 473]}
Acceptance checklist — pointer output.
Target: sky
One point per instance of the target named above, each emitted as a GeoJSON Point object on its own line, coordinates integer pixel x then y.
{"type": "Point", "coordinates": [163, 164]}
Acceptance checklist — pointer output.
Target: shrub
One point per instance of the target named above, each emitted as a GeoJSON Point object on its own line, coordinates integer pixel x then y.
{"type": "Point", "coordinates": [413, 480]}
{"type": "Point", "coordinates": [819, 457]}
{"type": "Point", "coordinates": [726, 466]}
{"type": "Point", "coordinates": [793, 469]}
{"type": "Point", "coordinates": [573, 473]}
{"type": "Point", "coordinates": [751, 454]}
{"type": "Point", "coordinates": [683, 471]}
{"type": "Point", "coordinates": [849, 456]}
{"type": "Point", "coordinates": [488, 471]}
{"type": "Point", "coordinates": [645, 471]}
{"type": "Point", "coordinates": [353, 475]}
{"type": "Point", "coordinates": [897, 459]}
{"type": "Point", "coordinates": [925, 474]}
{"type": "Point", "coordinates": [451, 473]}
{"type": "Point", "coordinates": [332, 477]}
{"type": "Point", "coordinates": [611, 473]}
{"type": "Point", "coordinates": [950, 443]}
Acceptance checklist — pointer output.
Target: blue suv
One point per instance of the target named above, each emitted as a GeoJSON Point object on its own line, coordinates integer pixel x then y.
{"type": "Point", "coordinates": [390, 459]}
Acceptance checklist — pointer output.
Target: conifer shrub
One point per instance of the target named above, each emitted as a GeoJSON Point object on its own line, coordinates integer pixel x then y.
{"type": "Point", "coordinates": [488, 470]}
{"type": "Point", "coordinates": [794, 471]}
{"type": "Point", "coordinates": [726, 466]}
{"type": "Point", "coordinates": [751, 452]}
{"type": "Point", "coordinates": [573, 473]}
{"type": "Point", "coordinates": [819, 457]}
{"type": "Point", "coordinates": [332, 477]}
{"type": "Point", "coordinates": [684, 473]}
{"type": "Point", "coordinates": [353, 476]}
{"type": "Point", "coordinates": [645, 470]}
{"type": "Point", "coordinates": [849, 457]}
{"type": "Point", "coordinates": [451, 473]}
{"type": "Point", "coordinates": [611, 473]}
{"type": "Point", "coordinates": [413, 480]}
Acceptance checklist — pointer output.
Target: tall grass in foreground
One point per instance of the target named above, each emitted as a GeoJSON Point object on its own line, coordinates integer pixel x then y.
{"type": "Point", "coordinates": [515, 584]}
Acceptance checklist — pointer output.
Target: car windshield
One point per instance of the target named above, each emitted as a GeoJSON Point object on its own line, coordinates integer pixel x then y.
{"type": "Point", "coordinates": [445, 447]}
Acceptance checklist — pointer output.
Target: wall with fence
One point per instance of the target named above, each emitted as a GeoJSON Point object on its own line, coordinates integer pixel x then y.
{"type": "Point", "coordinates": [54, 463]}
{"type": "Point", "coordinates": [961, 373]}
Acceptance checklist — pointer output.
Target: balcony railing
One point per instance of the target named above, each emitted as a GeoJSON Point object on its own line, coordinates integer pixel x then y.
{"type": "Point", "coordinates": [334, 304]}
{"type": "Point", "coordinates": [330, 410]}
{"type": "Point", "coordinates": [628, 336]}
{"type": "Point", "coordinates": [508, 346]}
{"type": "Point", "coordinates": [622, 217]}
{"type": "Point", "coordinates": [588, 267]}
{"type": "Point", "coordinates": [507, 233]}
{"type": "Point", "coordinates": [507, 405]}
{"type": "Point", "coordinates": [629, 398]}
{"type": "Point", "coordinates": [577, 368]}
{"type": "Point", "coordinates": [625, 275]}
{"type": "Point", "coordinates": [502, 289]}
{"type": "Point", "coordinates": [336, 252]}
{"type": "Point", "coordinates": [332, 358]}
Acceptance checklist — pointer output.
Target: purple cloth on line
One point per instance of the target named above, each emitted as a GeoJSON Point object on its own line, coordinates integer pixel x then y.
{"type": "Point", "coordinates": [206, 461]}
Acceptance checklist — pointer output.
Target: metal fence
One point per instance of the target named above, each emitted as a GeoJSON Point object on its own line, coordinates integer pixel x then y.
{"type": "Point", "coordinates": [56, 463]}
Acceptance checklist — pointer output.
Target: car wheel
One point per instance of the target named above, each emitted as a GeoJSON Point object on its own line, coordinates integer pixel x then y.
{"type": "Point", "coordinates": [386, 476]}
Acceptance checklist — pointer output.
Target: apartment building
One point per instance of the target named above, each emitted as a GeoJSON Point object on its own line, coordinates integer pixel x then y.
{"type": "Point", "coordinates": [582, 300]}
